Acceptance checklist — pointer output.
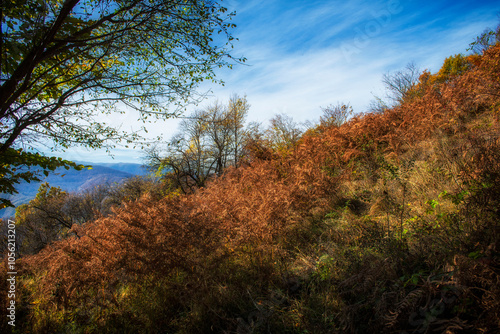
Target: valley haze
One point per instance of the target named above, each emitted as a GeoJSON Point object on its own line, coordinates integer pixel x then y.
{"type": "Point", "coordinates": [72, 180]}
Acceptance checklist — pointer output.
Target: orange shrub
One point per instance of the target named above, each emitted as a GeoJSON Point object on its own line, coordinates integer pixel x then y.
{"type": "Point", "coordinates": [258, 206]}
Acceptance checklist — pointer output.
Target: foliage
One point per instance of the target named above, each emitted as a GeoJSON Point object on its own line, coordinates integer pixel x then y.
{"type": "Point", "coordinates": [283, 133]}
{"type": "Point", "coordinates": [387, 223]}
{"type": "Point", "coordinates": [484, 41]}
{"type": "Point", "coordinates": [18, 165]}
{"type": "Point", "coordinates": [210, 141]}
{"type": "Point", "coordinates": [42, 220]}
{"type": "Point", "coordinates": [64, 63]}
{"type": "Point", "coordinates": [452, 68]}
{"type": "Point", "coordinates": [336, 115]}
{"type": "Point", "coordinates": [53, 212]}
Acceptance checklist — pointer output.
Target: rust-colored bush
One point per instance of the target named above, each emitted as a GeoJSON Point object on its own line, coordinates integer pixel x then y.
{"type": "Point", "coordinates": [255, 216]}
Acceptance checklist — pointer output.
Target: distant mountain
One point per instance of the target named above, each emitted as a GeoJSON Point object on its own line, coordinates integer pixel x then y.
{"type": "Point", "coordinates": [134, 169]}
{"type": "Point", "coordinates": [75, 181]}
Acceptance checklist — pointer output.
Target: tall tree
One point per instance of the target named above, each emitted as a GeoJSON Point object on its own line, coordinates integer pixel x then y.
{"type": "Point", "coordinates": [238, 110]}
{"type": "Point", "coordinates": [336, 115]}
{"type": "Point", "coordinates": [400, 84]}
{"type": "Point", "coordinates": [483, 42]}
{"type": "Point", "coordinates": [209, 141]}
{"type": "Point", "coordinates": [283, 132]}
{"type": "Point", "coordinates": [64, 62]}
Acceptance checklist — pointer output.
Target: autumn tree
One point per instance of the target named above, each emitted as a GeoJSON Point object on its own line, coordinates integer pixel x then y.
{"type": "Point", "coordinates": [401, 86]}
{"type": "Point", "coordinates": [219, 131]}
{"type": "Point", "coordinates": [42, 220]}
{"type": "Point", "coordinates": [336, 115]}
{"type": "Point", "coordinates": [452, 68]}
{"type": "Point", "coordinates": [63, 63]}
{"type": "Point", "coordinates": [53, 212]}
{"type": "Point", "coordinates": [209, 141]}
{"type": "Point", "coordinates": [283, 132]}
{"type": "Point", "coordinates": [238, 110]}
{"type": "Point", "coordinates": [184, 162]}
{"type": "Point", "coordinates": [89, 204]}
{"type": "Point", "coordinates": [488, 38]}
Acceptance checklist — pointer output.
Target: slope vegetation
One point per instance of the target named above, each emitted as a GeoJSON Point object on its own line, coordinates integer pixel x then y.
{"type": "Point", "coordinates": [388, 223]}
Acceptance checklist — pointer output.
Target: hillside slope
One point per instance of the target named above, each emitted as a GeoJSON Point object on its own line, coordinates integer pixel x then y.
{"type": "Point", "coordinates": [387, 224]}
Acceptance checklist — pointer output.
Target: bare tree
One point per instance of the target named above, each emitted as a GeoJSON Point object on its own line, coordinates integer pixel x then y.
{"type": "Point", "coordinates": [488, 38]}
{"type": "Point", "coordinates": [377, 105]}
{"type": "Point", "coordinates": [400, 87]}
{"type": "Point", "coordinates": [209, 141]}
{"type": "Point", "coordinates": [336, 115]}
{"type": "Point", "coordinates": [283, 132]}
{"type": "Point", "coordinates": [399, 84]}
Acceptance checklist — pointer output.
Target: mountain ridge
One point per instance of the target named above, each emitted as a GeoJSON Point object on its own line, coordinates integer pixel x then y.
{"type": "Point", "coordinates": [75, 181]}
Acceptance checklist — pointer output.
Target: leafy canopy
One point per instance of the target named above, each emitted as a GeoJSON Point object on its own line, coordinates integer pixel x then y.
{"type": "Point", "coordinates": [65, 62]}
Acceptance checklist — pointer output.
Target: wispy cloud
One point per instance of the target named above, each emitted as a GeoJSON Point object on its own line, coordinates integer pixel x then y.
{"type": "Point", "coordinates": [297, 57]}
{"type": "Point", "coordinates": [297, 60]}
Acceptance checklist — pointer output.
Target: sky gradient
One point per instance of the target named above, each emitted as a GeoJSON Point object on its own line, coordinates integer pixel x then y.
{"type": "Point", "coordinates": [303, 55]}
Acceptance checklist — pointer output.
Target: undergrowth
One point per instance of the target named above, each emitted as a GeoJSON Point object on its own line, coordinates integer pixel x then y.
{"type": "Point", "coordinates": [386, 224]}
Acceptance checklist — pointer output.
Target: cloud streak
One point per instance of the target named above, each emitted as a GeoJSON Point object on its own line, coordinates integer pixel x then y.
{"type": "Point", "coordinates": [303, 55]}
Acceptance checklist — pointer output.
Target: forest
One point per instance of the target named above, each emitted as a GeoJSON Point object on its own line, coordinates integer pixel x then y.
{"type": "Point", "coordinates": [386, 221]}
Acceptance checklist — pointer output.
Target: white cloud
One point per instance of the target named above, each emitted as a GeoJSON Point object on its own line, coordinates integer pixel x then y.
{"type": "Point", "coordinates": [296, 59]}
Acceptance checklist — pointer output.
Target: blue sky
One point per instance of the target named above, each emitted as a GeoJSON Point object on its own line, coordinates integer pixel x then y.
{"type": "Point", "coordinates": [303, 55]}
